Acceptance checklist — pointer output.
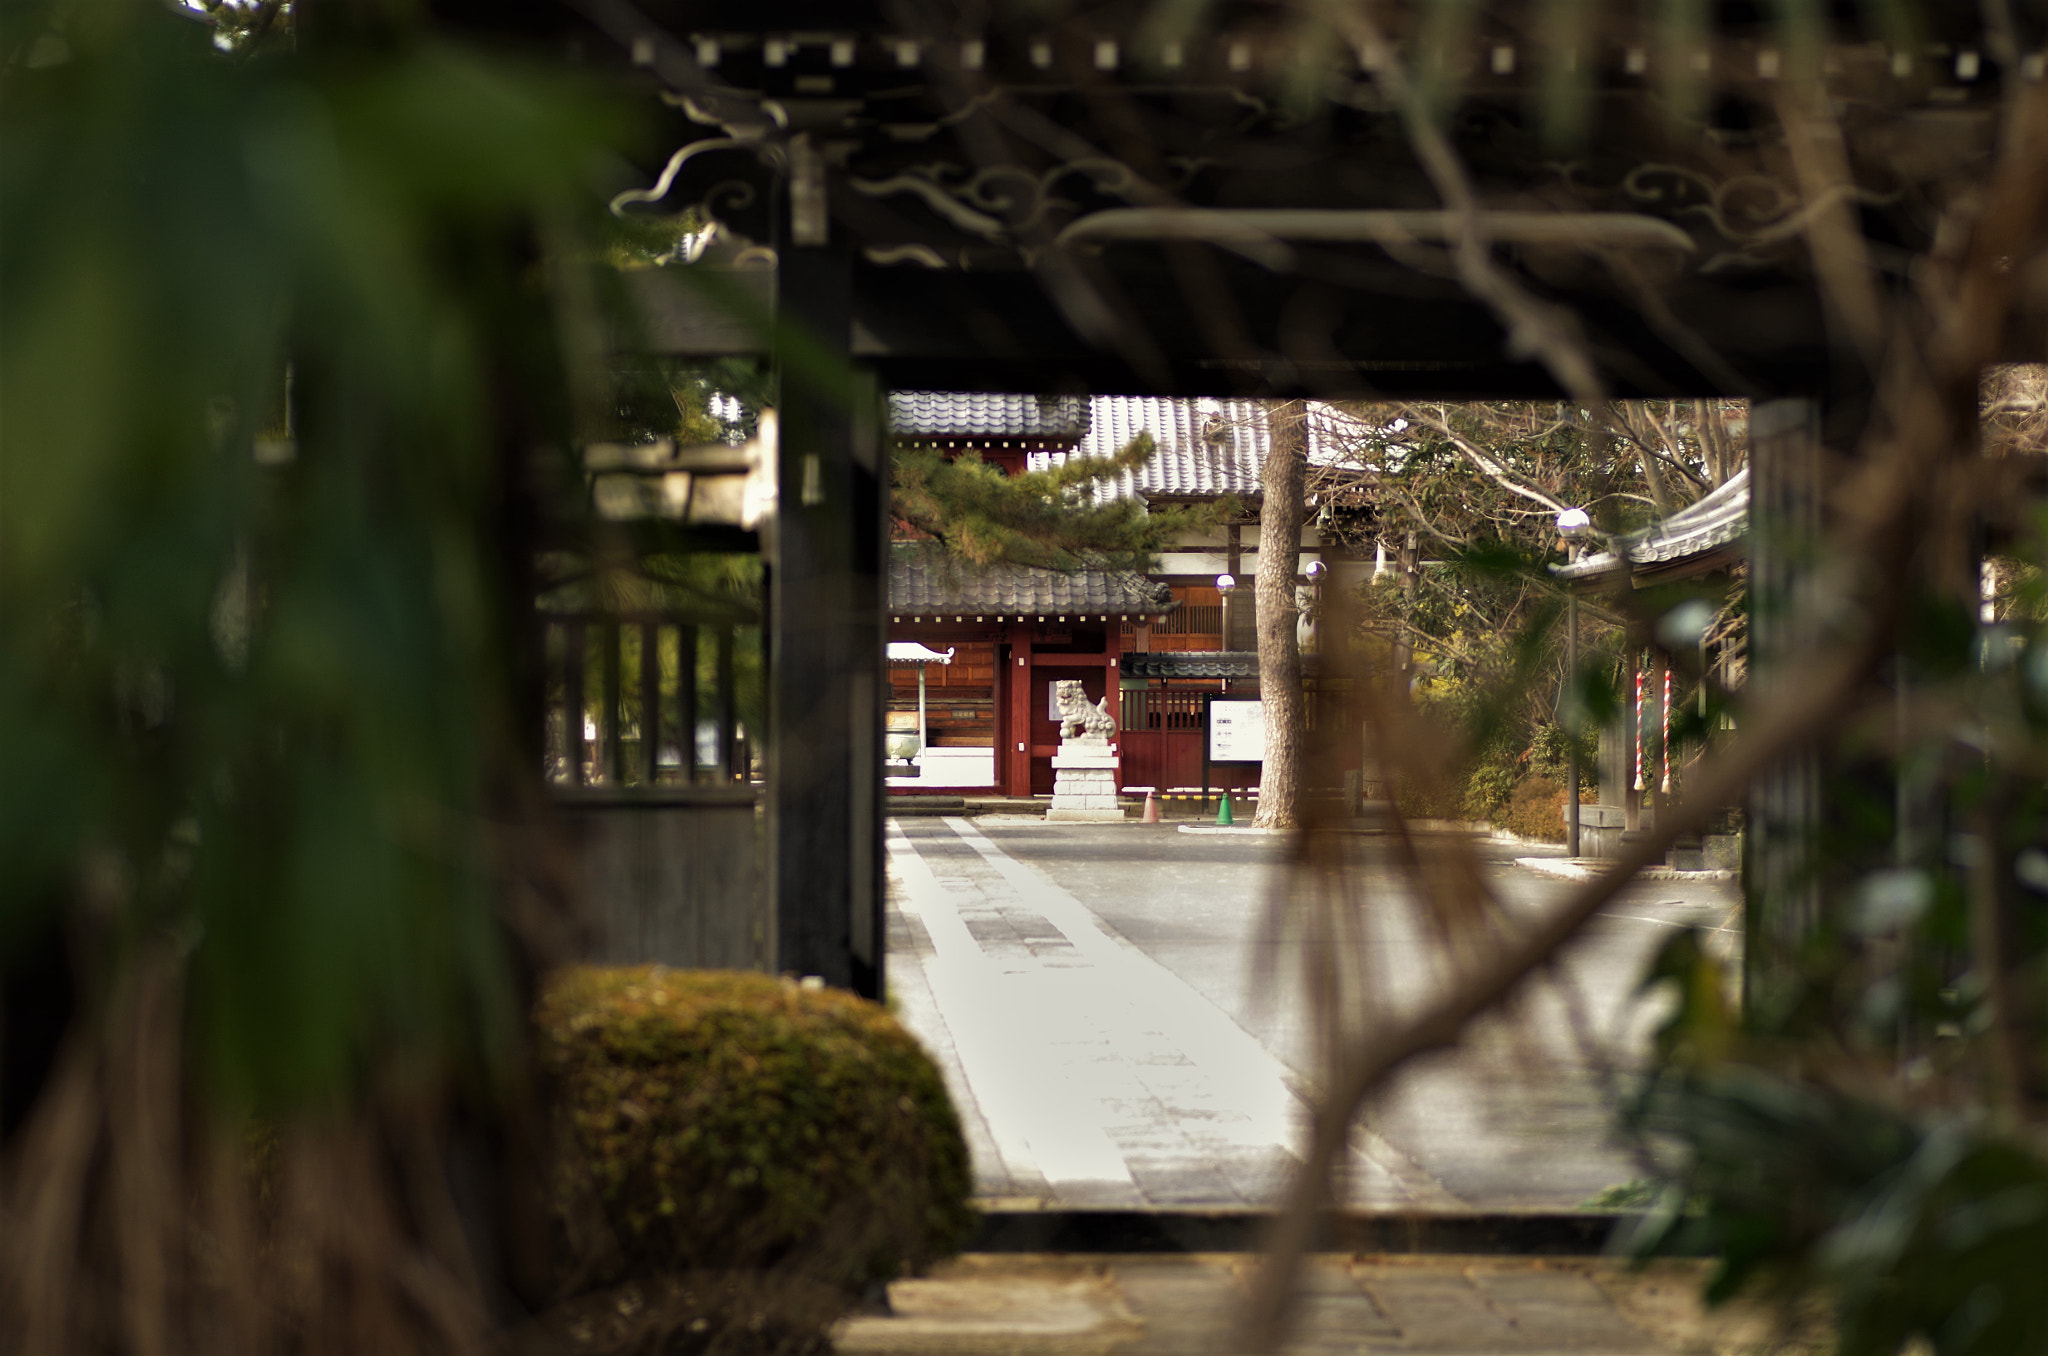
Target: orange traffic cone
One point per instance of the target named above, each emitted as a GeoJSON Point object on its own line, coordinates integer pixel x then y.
{"type": "Point", "coordinates": [1151, 808]}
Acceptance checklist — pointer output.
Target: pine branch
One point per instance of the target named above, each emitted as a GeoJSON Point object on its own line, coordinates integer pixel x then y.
{"type": "Point", "coordinates": [1059, 517]}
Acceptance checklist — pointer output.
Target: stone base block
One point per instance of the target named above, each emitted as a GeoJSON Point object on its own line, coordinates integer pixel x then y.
{"type": "Point", "coordinates": [1084, 782]}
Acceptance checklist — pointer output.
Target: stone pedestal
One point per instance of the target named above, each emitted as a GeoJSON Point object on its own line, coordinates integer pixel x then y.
{"type": "Point", "coordinates": [1600, 829]}
{"type": "Point", "coordinates": [1084, 780]}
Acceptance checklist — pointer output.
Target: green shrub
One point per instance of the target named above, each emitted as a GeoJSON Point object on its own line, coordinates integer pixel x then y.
{"type": "Point", "coordinates": [1487, 790]}
{"type": "Point", "coordinates": [1535, 810]}
{"type": "Point", "coordinates": [1419, 802]}
{"type": "Point", "coordinates": [719, 1121]}
{"type": "Point", "coordinates": [1550, 751]}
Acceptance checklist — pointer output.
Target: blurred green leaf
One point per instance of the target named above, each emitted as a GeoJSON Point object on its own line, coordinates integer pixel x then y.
{"type": "Point", "coordinates": [259, 701]}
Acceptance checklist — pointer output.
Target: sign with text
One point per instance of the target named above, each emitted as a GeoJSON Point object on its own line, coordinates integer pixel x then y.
{"type": "Point", "coordinates": [1237, 732]}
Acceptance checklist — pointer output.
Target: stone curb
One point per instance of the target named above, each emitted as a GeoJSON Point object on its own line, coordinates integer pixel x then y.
{"type": "Point", "coordinates": [1578, 868]}
{"type": "Point", "coordinates": [1222, 828]}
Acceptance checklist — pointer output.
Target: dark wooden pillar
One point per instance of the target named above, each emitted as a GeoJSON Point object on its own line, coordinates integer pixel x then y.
{"type": "Point", "coordinates": [1000, 739]}
{"type": "Point", "coordinates": [826, 636]}
{"type": "Point", "coordinates": [1782, 897]}
{"type": "Point", "coordinates": [1112, 674]}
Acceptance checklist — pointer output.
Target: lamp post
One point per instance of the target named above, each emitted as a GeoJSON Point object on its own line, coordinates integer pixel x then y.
{"type": "Point", "coordinates": [1572, 524]}
{"type": "Point", "coordinates": [1226, 584]}
{"type": "Point", "coordinates": [1312, 640]}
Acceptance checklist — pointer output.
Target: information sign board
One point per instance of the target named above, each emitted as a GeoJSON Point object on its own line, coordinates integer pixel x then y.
{"type": "Point", "coordinates": [1237, 731]}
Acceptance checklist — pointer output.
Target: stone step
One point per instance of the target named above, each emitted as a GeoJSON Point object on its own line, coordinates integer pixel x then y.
{"type": "Point", "coordinates": [1461, 1305]}
{"type": "Point", "coordinates": [901, 807]}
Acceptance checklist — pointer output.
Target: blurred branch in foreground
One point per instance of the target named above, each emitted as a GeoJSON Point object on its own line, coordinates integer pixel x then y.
{"type": "Point", "coordinates": [1876, 591]}
{"type": "Point", "coordinates": [275, 354]}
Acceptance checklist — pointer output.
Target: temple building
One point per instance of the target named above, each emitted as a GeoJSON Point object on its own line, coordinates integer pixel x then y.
{"type": "Point", "coordinates": [1702, 543]}
{"type": "Point", "coordinates": [1156, 646]}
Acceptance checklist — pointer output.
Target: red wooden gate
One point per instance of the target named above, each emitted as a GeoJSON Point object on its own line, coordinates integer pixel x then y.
{"type": "Point", "coordinates": [1161, 743]}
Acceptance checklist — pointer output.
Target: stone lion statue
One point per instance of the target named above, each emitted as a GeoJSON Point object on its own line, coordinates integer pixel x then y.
{"type": "Point", "coordinates": [1078, 715]}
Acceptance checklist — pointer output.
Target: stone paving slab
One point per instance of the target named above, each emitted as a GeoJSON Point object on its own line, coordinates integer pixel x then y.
{"type": "Point", "coordinates": [1031, 1305]}
{"type": "Point", "coordinates": [1188, 1305]}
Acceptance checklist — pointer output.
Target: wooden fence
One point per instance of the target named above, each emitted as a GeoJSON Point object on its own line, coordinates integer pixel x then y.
{"type": "Point", "coordinates": [652, 769]}
{"type": "Point", "coordinates": [657, 700]}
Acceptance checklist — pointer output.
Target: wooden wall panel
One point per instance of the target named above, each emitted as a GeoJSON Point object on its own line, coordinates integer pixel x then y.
{"type": "Point", "coordinates": [675, 883]}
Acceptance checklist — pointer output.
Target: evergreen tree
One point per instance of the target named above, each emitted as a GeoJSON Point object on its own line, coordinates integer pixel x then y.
{"type": "Point", "coordinates": [1062, 518]}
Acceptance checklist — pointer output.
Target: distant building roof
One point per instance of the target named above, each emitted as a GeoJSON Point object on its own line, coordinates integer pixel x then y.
{"type": "Point", "coordinates": [1191, 664]}
{"type": "Point", "coordinates": [1713, 526]}
{"type": "Point", "coordinates": [910, 652]}
{"type": "Point", "coordinates": [955, 414]}
{"type": "Point", "coordinates": [1201, 664]}
{"type": "Point", "coordinates": [1206, 448]}
{"type": "Point", "coordinates": [925, 582]}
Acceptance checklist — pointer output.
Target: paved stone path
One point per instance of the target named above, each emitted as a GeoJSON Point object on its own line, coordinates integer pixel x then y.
{"type": "Point", "coordinates": [1092, 996]}
{"type": "Point", "coordinates": [1188, 1306]}
{"type": "Point", "coordinates": [1089, 1074]}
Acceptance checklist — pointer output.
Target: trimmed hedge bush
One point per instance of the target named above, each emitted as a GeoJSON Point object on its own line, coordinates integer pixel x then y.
{"type": "Point", "coordinates": [1535, 810]}
{"type": "Point", "coordinates": [720, 1120]}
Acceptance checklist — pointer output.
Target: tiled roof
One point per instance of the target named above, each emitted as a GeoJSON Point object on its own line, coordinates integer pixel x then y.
{"type": "Point", "coordinates": [1200, 664]}
{"type": "Point", "coordinates": [1207, 448]}
{"type": "Point", "coordinates": [951, 414]}
{"type": "Point", "coordinates": [910, 652]}
{"type": "Point", "coordinates": [1718, 520]}
{"type": "Point", "coordinates": [1191, 664]}
{"type": "Point", "coordinates": [924, 582]}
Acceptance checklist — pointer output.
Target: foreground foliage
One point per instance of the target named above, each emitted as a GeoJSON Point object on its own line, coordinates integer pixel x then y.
{"type": "Point", "coordinates": [274, 327]}
{"type": "Point", "coordinates": [714, 1119]}
{"type": "Point", "coordinates": [1924, 1223]}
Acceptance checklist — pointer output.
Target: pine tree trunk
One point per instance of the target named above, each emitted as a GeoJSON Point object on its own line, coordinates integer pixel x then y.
{"type": "Point", "coordinates": [1280, 692]}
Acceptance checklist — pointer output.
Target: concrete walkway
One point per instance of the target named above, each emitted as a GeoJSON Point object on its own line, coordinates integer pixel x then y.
{"type": "Point", "coordinates": [1101, 1062]}
{"type": "Point", "coordinates": [1091, 994]}
{"type": "Point", "coordinates": [982, 1305]}
{"type": "Point", "coordinates": [1089, 1074]}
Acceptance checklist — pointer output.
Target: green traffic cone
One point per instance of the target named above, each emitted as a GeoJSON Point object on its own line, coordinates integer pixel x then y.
{"type": "Point", "coordinates": [1223, 815]}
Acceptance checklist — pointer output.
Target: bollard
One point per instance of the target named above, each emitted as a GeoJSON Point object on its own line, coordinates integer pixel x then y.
{"type": "Point", "coordinates": [1151, 809]}
{"type": "Point", "coordinates": [1224, 819]}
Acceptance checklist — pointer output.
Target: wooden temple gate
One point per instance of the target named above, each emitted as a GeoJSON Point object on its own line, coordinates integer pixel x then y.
{"type": "Point", "coordinates": [970, 201]}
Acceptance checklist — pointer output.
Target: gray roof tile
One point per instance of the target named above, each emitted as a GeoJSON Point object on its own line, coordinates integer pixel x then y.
{"type": "Point", "coordinates": [1191, 664]}
{"type": "Point", "coordinates": [926, 582]}
{"type": "Point", "coordinates": [1200, 664]}
{"type": "Point", "coordinates": [1207, 448]}
{"type": "Point", "coordinates": [953, 414]}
